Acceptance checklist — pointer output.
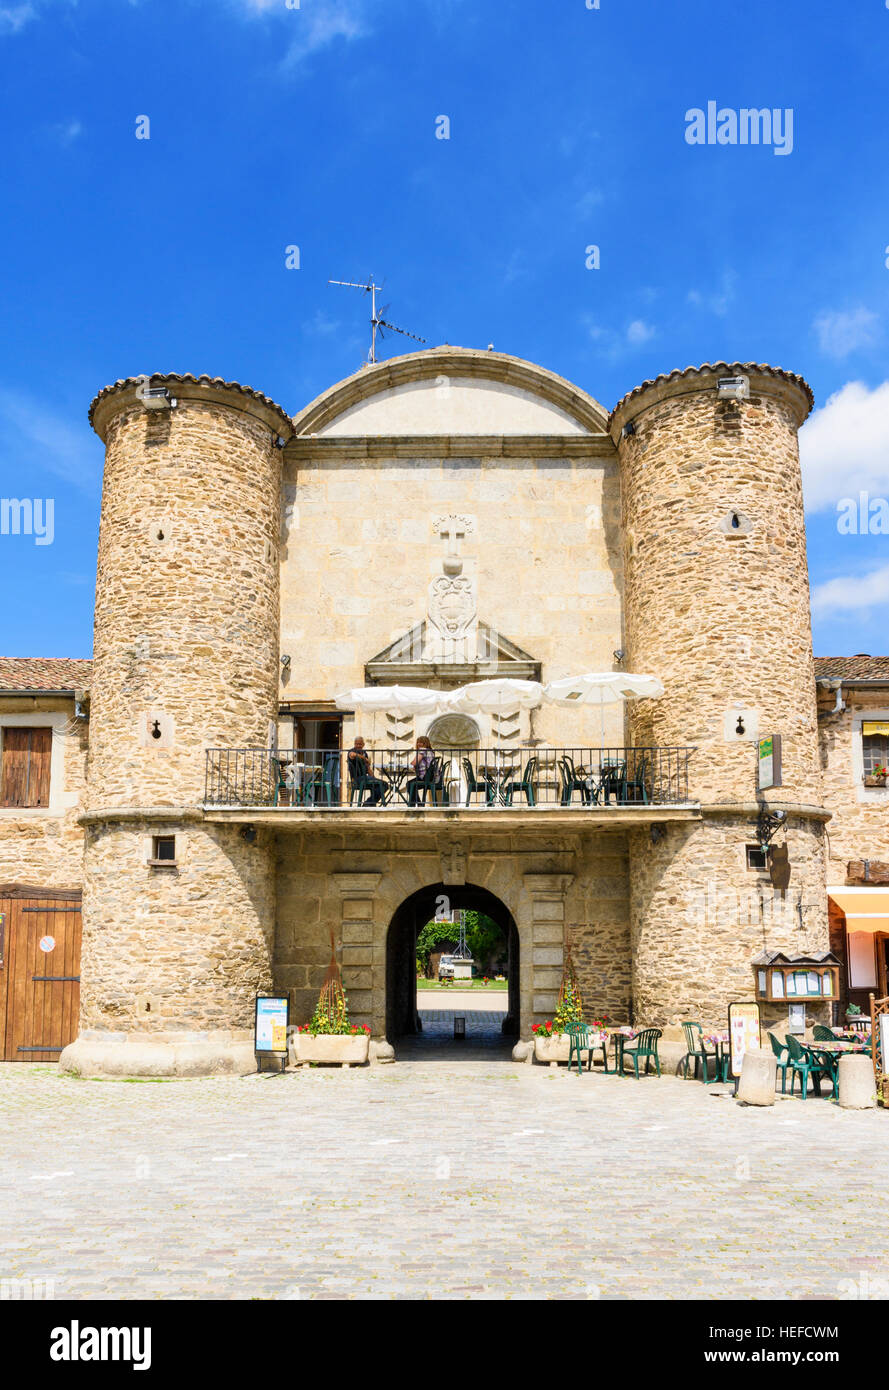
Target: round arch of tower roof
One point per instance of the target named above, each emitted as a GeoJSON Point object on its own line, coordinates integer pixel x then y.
{"type": "Point", "coordinates": [687, 380]}
{"type": "Point", "coordinates": [462, 368]}
{"type": "Point", "coordinates": [207, 389]}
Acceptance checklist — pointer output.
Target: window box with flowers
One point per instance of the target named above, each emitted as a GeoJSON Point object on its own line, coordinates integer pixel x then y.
{"type": "Point", "coordinates": [877, 777]}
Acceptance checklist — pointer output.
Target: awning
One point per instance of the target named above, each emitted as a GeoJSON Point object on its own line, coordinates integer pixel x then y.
{"type": "Point", "coordinates": [863, 904]}
{"type": "Point", "coordinates": [875, 726]}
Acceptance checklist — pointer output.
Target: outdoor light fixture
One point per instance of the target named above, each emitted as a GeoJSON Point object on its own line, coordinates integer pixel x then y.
{"type": "Point", "coordinates": [618, 655]}
{"type": "Point", "coordinates": [657, 832]}
{"type": "Point", "coordinates": [628, 429]}
{"type": "Point", "coordinates": [285, 662]}
{"type": "Point", "coordinates": [768, 823]}
{"type": "Point", "coordinates": [248, 833]}
{"type": "Point", "coordinates": [279, 441]}
{"type": "Point", "coordinates": [459, 1026]}
{"type": "Point", "coordinates": [157, 398]}
{"type": "Point", "coordinates": [733, 388]}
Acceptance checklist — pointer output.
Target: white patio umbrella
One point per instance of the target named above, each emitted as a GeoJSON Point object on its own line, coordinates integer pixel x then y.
{"type": "Point", "coordinates": [602, 688]}
{"type": "Point", "coordinates": [400, 699]}
{"type": "Point", "coordinates": [495, 696]}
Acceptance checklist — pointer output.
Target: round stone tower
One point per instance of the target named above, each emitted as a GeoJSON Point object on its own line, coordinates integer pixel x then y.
{"type": "Point", "coordinates": [717, 606]}
{"type": "Point", "coordinates": [178, 910]}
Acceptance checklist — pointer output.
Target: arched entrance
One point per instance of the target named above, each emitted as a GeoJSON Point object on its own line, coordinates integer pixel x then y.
{"type": "Point", "coordinates": [401, 952]}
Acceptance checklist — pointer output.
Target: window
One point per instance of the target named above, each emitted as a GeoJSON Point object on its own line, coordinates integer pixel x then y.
{"type": "Point", "coordinates": [757, 858]}
{"type": "Point", "coordinates": [874, 745]}
{"type": "Point", "coordinates": [26, 757]}
{"type": "Point", "coordinates": [163, 849]}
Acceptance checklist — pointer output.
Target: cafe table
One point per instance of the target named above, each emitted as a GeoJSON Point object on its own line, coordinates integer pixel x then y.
{"type": "Point", "coordinates": [721, 1044]}
{"type": "Point", "coordinates": [620, 1037]}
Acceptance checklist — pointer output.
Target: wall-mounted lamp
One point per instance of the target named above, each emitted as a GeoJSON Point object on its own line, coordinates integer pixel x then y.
{"type": "Point", "coordinates": [157, 398]}
{"type": "Point", "coordinates": [248, 833]}
{"type": "Point", "coordinates": [733, 388]}
{"type": "Point", "coordinates": [657, 833]}
{"type": "Point", "coordinates": [628, 430]}
{"type": "Point", "coordinates": [285, 662]}
{"type": "Point", "coordinates": [618, 655]}
{"type": "Point", "coordinates": [279, 441]}
{"type": "Point", "coordinates": [767, 825]}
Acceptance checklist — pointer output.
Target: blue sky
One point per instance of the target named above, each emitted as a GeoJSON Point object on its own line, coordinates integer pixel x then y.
{"type": "Point", "coordinates": [315, 126]}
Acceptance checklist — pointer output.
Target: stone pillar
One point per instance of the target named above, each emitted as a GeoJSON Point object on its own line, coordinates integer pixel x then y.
{"type": "Point", "coordinates": [857, 1084]}
{"type": "Point", "coordinates": [363, 961]}
{"type": "Point", "coordinates": [185, 659]}
{"type": "Point", "coordinates": [717, 606]}
{"type": "Point", "coordinates": [542, 974]}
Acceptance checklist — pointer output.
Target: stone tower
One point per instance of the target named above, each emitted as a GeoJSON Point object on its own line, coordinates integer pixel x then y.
{"type": "Point", "coordinates": [717, 605]}
{"type": "Point", "coordinates": [186, 659]}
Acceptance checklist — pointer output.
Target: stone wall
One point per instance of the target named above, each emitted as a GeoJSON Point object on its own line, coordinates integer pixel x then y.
{"type": "Point", "coordinates": [360, 552]}
{"type": "Point", "coordinates": [352, 884]}
{"type": "Point", "coordinates": [720, 612]}
{"type": "Point", "coordinates": [697, 922]}
{"type": "Point", "coordinates": [859, 827]}
{"type": "Point", "coordinates": [45, 847]}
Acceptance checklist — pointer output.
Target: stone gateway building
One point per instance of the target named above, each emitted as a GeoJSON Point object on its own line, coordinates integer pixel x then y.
{"type": "Point", "coordinates": [439, 518]}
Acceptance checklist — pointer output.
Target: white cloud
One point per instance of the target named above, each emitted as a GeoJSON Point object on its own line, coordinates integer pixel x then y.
{"type": "Point", "coordinates": [854, 593]}
{"type": "Point", "coordinates": [844, 446]}
{"type": "Point", "coordinates": [639, 332]}
{"type": "Point", "coordinates": [66, 132]}
{"type": "Point", "coordinates": [719, 301]}
{"type": "Point", "coordinates": [321, 22]}
{"type": "Point", "coordinates": [15, 17]}
{"type": "Point", "coordinates": [32, 437]}
{"type": "Point", "coordinates": [843, 332]}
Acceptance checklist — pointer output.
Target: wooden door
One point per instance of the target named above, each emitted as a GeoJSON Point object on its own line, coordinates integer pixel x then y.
{"type": "Point", "coordinates": [881, 942]}
{"type": "Point", "coordinates": [39, 974]}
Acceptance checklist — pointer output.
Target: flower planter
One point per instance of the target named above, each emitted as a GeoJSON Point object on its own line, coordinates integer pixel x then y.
{"type": "Point", "coordinates": [552, 1050]}
{"type": "Point", "coordinates": [332, 1049]}
{"type": "Point", "coordinates": [875, 780]}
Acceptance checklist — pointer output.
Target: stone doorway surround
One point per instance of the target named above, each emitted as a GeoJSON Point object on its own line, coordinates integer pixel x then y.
{"type": "Point", "coordinates": [547, 893]}
{"type": "Point", "coordinates": [363, 962]}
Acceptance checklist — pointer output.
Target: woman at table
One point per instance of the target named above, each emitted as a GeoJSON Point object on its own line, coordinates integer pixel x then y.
{"type": "Point", "coordinates": [360, 771]}
{"type": "Point", "coordinates": [421, 765]}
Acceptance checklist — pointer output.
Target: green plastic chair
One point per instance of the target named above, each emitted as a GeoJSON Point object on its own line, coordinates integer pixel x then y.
{"type": "Point", "coordinates": [639, 781]}
{"type": "Point", "coordinates": [526, 785]}
{"type": "Point", "coordinates": [804, 1064]}
{"type": "Point", "coordinates": [579, 1041]}
{"type": "Point", "coordinates": [696, 1051]}
{"type": "Point", "coordinates": [477, 784]}
{"type": "Point", "coordinates": [822, 1034]}
{"type": "Point", "coordinates": [572, 783]}
{"type": "Point", "coordinates": [781, 1053]}
{"type": "Point", "coordinates": [645, 1046]}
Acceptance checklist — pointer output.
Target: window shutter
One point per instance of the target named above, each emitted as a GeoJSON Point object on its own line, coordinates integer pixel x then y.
{"type": "Point", "coordinates": [27, 755]}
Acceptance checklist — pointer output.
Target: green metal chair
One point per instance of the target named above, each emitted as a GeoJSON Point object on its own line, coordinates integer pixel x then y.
{"type": "Point", "coordinates": [639, 781]}
{"type": "Point", "coordinates": [782, 1055]}
{"type": "Point", "coordinates": [614, 779]}
{"type": "Point", "coordinates": [696, 1051]}
{"type": "Point", "coordinates": [822, 1034]}
{"type": "Point", "coordinates": [644, 1046]}
{"type": "Point", "coordinates": [804, 1064]}
{"type": "Point", "coordinates": [477, 784]}
{"type": "Point", "coordinates": [526, 785]}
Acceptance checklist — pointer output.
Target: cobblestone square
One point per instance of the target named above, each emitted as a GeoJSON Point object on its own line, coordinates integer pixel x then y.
{"type": "Point", "coordinates": [450, 1174]}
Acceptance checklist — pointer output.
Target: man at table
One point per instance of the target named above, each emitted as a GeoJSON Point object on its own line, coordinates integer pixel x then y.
{"type": "Point", "coordinates": [360, 770]}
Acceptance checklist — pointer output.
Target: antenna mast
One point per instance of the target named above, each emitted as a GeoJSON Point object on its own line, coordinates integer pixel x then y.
{"type": "Point", "coordinates": [377, 322]}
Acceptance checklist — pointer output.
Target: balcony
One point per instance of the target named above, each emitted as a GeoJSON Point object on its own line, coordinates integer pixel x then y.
{"type": "Point", "coordinates": [501, 782]}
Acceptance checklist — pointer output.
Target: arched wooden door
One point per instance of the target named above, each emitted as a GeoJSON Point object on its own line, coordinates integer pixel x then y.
{"type": "Point", "coordinates": [40, 933]}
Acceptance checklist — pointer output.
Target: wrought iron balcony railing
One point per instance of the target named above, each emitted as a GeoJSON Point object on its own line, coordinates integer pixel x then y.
{"type": "Point", "coordinates": [491, 778]}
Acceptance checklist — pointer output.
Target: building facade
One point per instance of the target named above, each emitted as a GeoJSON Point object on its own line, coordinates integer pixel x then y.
{"type": "Point", "coordinates": [435, 519]}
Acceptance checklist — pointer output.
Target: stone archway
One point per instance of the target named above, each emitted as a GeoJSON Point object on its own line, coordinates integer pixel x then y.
{"type": "Point", "coordinates": [401, 943]}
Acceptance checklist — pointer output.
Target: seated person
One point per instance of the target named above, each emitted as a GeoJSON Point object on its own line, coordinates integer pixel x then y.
{"type": "Point", "coordinates": [360, 770]}
{"type": "Point", "coordinates": [421, 765]}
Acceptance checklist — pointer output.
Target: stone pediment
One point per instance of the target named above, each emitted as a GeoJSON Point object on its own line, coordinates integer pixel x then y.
{"type": "Point", "coordinates": [423, 654]}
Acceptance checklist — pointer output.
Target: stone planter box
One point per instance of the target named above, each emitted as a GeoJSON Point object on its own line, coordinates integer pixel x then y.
{"type": "Point", "coordinates": [331, 1049]}
{"type": "Point", "coordinates": [874, 781]}
{"type": "Point", "coordinates": [552, 1050]}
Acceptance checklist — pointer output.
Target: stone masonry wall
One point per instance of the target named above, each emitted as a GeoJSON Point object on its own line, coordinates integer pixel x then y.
{"type": "Point", "coordinates": [720, 614]}
{"type": "Point", "coordinates": [859, 827]}
{"type": "Point", "coordinates": [45, 847]}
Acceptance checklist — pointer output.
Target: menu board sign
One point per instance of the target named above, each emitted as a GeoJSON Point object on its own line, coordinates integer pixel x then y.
{"type": "Point", "coordinates": [272, 1019]}
{"type": "Point", "coordinates": [744, 1031]}
{"type": "Point", "coordinates": [769, 762]}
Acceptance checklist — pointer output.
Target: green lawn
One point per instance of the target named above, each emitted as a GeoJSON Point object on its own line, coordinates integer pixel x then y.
{"type": "Point", "coordinates": [463, 984]}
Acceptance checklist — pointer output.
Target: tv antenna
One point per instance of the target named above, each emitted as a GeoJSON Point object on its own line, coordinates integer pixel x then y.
{"type": "Point", "coordinates": [377, 320]}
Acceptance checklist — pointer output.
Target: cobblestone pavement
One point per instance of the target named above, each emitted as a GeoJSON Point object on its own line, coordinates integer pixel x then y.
{"type": "Point", "coordinates": [441, 1176]}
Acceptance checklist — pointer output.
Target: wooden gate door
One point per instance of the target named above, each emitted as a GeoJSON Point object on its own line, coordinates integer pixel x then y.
{"type": "Point", "coordinates": [39, 973]}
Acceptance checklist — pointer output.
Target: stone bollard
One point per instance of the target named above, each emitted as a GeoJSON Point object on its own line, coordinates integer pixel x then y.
{"type": "Point", "coordinates": [381, 1052]}
{"type": "Point", "coordinates": [858, 1090]}
{"type": "Point", "coordinates": [523, 1052]}
{"type": "Point", "coordinates": [758, 1072]}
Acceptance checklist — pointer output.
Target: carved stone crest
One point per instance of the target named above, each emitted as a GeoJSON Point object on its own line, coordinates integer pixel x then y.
{"type": "Point", "coordinates": [452, 604]}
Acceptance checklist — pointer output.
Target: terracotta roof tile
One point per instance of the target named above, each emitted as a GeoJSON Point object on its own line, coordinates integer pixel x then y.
{"type": "Point", "coordinates": [725, 369]}
{"type": "Point", "coordinates": [852, 668]}
{"type": "Point", "coordinates": [44, 672]}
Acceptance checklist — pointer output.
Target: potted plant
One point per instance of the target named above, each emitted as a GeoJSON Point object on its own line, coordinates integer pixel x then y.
{"type": "Point", "coordinates": [876, 778]}
{"type": "Point", "coordinates": [330, 1036]}
{"type": "Point", "coordinates": [551, 1041]}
